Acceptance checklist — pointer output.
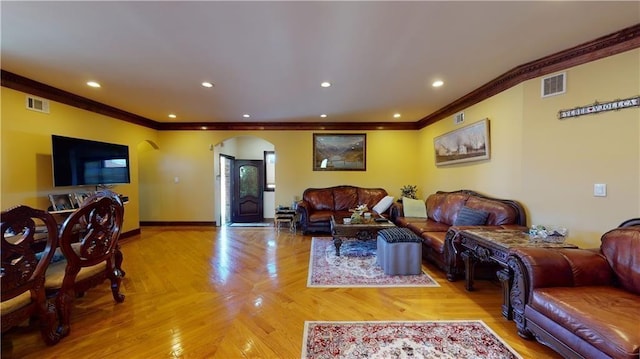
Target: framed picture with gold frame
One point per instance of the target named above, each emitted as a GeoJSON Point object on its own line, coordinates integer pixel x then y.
{"type": "Point", "coordinates": [340, 152]}
{"type": "Point", "coordinates": [469, 143]}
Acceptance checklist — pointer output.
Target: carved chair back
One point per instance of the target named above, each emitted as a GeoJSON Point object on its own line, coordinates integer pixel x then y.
{"type": "Point", "coordinates": [89, 241]}
{"type": "Point", "coordinates": [25, 230]}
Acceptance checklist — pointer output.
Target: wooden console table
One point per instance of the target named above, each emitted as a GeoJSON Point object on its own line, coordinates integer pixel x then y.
{"type": "Point", "coordinates": [494, 245]}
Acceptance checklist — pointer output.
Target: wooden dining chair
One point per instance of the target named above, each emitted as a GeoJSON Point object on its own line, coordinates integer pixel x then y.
{"type": "Point", "coordinates": [24, 231]}
{"type": "Point", "coordinates": [89, 241]}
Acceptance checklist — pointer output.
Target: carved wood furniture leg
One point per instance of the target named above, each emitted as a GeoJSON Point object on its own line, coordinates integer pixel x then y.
{"type": "Point", "coordinates": [518, 295]}
{"type": "Point", "coordinates": [469, 266]}
{"type": "Point", "coordinates": [116, 279]}
{"type": "Point", "coordinates": [450, 253]}
{"type": "Point", "coordinates": [118, 260]}
{"type": "Point", "coordinates": [337, 241]}
{"type": "Point", "coordinates": [505, 280]}
{"type": "Point", "coordinates": [64, 304]}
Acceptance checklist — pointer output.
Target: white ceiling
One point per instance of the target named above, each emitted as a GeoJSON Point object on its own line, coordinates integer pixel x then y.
{"type": "Point", "coordinates": [268, 59]}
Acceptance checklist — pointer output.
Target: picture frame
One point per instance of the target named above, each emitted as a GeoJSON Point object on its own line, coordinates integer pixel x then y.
{"type": "Point", "coordinates": [466, 144]}
{"type": "Point", "coordinates": [62, 202]}
{"type": "Point", "coordinates": [80, 197]}
{"type": "Point", "coordinates": [340, 152]}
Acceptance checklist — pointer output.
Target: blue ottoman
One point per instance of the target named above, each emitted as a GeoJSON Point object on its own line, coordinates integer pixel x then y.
{"type": "Point", "coordinates": [399, 251]}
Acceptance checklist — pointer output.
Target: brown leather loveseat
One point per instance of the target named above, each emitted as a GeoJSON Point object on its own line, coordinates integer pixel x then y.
{"type": "Point", "coordinates": [319, 204]}
{"type": "Point", "coordinates": [583, 303]}
{"type": "Point", "coordinates": [439, 230]}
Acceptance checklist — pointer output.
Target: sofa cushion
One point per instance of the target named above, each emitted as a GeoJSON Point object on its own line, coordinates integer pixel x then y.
{"type": "Point", "coordinates": [604, 316]}
{"type": "Point", "coordinates": [383, 205]}
{"type": "Point", "coordinates": [345, 198]}
{"type": "Point", "coordinates": [499, 212]}
{"type": "Point", "coordinates": [435, 240]}
{"type": "Point", "coordinates": [621, 247]}
{"type": "Point", "coordinates": [323, 216]}
{"type": "Point", "coordinates": [370, 196]}
{"type": "Point", "coordinates": [419, 225]}
{"type": "Point", "coordinates": [444, 207]}
{"type": "Point", "coordinates": [471, 217]}
{"type": "Point", "coordinates": [320, 199]}
{"type": "Point", "coordinates": [414, 208]}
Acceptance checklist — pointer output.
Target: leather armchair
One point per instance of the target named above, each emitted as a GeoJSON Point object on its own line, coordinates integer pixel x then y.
{"type": "Point", "coordinates": [583, 303]}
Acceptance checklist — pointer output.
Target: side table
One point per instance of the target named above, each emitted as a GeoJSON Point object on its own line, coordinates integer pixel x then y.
{"type": "Point", "coordinates": [285, 215]}
{"type": "Point", "coordinates": [494, 245]}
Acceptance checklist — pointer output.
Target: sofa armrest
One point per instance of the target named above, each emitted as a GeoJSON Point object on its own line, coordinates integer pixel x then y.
{"type": "Point", "coordinates": [395, 211]}
{"type": "Point", "coordinates": [547, 267]}
{"type": "Point", "coordinates": [303, 208]}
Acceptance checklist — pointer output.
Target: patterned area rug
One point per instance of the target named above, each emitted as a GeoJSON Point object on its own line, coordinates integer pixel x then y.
{"type": "Point", "coordinates": [355, 267]}
{"type": "Point", "coordinates": [439, 339]}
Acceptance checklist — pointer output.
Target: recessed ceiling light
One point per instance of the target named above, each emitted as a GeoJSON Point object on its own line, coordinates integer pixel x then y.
{"type": "Point", "coordinates": [325, 84]}
{"type": "Point", "coordinates": [171, 115]}
{"type": "Point", "coordinates": [93, 84]}
{"type": "Point", "coordinates": [203, 127]}
{"type": "Point", "coordinates": [207, 84]}
{"type": "Point", "coordinates": [437, 83]}
{"type": "Point", "coordinates": [323, 115]}
{"type": "Point", "coordinates": [396, 115]}
{"type": "Point", "coordinates": [246, 115]}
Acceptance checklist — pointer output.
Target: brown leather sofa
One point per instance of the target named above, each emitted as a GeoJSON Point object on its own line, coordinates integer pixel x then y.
{"type": "Point", "coordinates": [318, 205]}
{"type": "Point", "coordinates": [440, 243]}
{"type": "Point", "coordinates": [583, 303]}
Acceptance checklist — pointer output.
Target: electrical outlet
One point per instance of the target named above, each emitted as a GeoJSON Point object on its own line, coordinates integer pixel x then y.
{"type": "Point", "coordinates": [600, 190]}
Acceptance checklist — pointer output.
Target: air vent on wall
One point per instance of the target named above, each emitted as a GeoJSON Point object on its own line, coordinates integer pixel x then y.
{"type": "Point", "coordinates": [554, 85]}
{"type": "Point", "coordinates": [458, 118]}
{"type": "Point", "coordinates": [37, 104]}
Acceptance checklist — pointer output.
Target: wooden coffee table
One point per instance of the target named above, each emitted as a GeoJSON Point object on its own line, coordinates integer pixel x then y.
{"type": "Point", "coordinates": [367, 230]}
{"type": "Point", "coordinates": [494, 245]}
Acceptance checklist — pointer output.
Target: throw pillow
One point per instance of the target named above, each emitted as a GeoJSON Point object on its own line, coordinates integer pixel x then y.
{"type": "Point", "coordinates": [471, 217]}
{"type": "Point", "coordinates": [414, 208]}
{"type": "Point", "coordinates": [383, 205]}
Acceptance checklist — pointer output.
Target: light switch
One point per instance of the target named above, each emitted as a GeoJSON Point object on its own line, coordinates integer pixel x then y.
{"type": "Point", "coordinates": [600, 190]}
{"type": "Point", "coordinates": [176, 180]}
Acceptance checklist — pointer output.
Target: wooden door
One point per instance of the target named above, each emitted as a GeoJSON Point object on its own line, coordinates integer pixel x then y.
{"type": "Point", "coordinates": [248, 190]}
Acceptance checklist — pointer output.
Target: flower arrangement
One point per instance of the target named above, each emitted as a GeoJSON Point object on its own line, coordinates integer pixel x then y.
{"type": "Point", "coordinates": [409, 191]}
{"type": "Point", "coordinates": [548, 233]}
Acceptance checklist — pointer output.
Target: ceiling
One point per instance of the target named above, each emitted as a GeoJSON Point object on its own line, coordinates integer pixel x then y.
{"type": "Point", "coordinates": [267, 59]}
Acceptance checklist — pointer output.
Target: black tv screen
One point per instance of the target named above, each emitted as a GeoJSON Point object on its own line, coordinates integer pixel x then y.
{"type": "Point", "coordinates": [79, 162]}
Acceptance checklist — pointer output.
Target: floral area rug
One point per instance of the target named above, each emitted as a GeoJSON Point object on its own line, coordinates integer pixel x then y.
{"type": "Point", "coordinates": [355, 267]}
{"type": "Point", "coordinates": [438, 339]}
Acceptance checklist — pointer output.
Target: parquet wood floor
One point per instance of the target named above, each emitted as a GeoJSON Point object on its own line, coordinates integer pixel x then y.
{"type": "Point", "coordinates": [202, 292]}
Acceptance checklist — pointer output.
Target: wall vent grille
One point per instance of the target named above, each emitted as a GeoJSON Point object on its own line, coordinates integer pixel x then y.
{"type": "Point", "coordinates": [37, 104]}
{"type": "Point", "coordinates": [458, 118]}
{"type": "Point", "coordinates": [554, 85]}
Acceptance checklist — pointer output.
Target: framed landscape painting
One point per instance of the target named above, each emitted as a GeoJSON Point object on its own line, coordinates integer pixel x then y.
{"type": "Point", "coordinates": [339, 152]}
{"type": "Point", "coordinates": [469, 143]}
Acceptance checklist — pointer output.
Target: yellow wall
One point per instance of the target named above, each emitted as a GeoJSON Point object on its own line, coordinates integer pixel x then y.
{"type": "Point", "coordinates": [551, 165]}
{"type": "Point", "coordinates": [548, 165]}
{"type": "Point", "coordinates": [26, 150]}
{"type": "Point", "coordinates": [390, 164]}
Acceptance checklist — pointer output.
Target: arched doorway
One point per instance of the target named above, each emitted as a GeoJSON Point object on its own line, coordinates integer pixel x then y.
{"type": "Point", "coordinates": [232, 155]}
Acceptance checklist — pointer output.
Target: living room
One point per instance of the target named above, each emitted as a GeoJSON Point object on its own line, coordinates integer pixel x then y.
{"type": "Point", "coordinates": [550, 165]}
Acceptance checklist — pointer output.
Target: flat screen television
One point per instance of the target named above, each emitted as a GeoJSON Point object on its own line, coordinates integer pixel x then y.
{"type": "Point", "coordinates": [79, 162]}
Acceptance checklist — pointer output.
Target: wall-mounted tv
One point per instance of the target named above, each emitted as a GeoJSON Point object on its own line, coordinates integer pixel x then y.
{"type": "Point", "coordinates": [79, 162]}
